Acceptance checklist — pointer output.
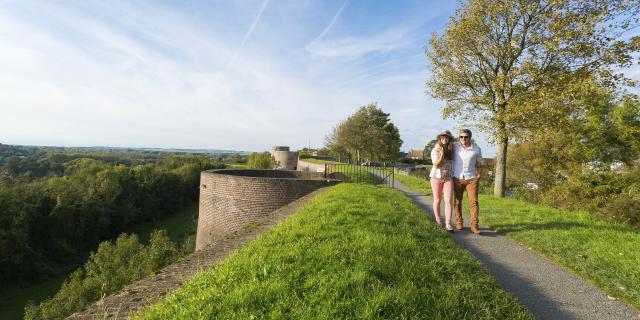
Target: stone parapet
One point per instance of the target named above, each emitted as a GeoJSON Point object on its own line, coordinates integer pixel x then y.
{"type": "Point", "coordinates": [232, 199]}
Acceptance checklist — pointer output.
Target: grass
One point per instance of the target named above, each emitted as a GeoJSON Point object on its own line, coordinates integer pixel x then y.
{"type": "Point", "coordinates": [415, 184]}
{"type": "Point", "coordinates": [13, 300]}
{"type": "Point", "coordinates": [313, 160]}
{"type": "Point", "coordinates": [602, 252]}
{"type": "Point", "coordinates": [179, 226]}
{"type": "Point", "coordinates": [356, 251]}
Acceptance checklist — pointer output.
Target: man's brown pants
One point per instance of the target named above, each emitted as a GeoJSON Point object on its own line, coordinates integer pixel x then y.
{"type": "Point", "coordinates": [471, 186]}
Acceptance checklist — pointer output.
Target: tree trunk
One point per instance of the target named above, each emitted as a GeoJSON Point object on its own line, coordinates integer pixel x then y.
{"type": "Point", "coordinates": [501, 167]}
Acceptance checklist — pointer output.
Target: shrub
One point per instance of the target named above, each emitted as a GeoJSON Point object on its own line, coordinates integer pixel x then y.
{"type": "Point", "coordinates": [262, 160]}
{"type": "Point", "coordinates": [110, 268]}
{"type": "Point", "coordinates": [624, 210]}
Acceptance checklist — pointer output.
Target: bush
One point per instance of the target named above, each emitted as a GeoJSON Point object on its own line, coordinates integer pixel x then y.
{"type": "Point", "coordinates": [109, 269]}
{"type": "Point", "coordinates": [262, 160]}
{"type": "Point", "coordinates": [624, 210]}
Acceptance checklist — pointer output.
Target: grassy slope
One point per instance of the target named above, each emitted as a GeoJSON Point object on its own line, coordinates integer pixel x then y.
{"type": "Point", "coordinates": [604, 253]}
{"type": "Point", "coordinates": [415, 184]}
{"type": "Point", "coordinates": [356, 251]}
{"type": "Point", "coordinates": [313, 160]}
{"type": "Point", "coordinates": [178, 226]}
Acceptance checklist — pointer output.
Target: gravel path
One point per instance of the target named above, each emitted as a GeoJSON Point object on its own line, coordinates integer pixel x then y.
{"type": "Point", "coordinates": [548, 290]}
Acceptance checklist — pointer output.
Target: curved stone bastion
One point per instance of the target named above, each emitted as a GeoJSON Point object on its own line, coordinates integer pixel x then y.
{"type": "Point", "coordinates": [233, 199]}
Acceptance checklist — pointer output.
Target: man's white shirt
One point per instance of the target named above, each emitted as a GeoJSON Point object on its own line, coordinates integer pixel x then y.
{"type": "Point", "coordinates": [465, 161]}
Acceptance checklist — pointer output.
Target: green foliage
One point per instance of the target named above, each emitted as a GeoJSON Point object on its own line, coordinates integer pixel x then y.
{"type": "Point", "coordinates": [354, 252]}
{"type": "Point", "coordinates": [515, 68]}
{"type": "Point", "coordinates": [47, 224]}
{"type": "Point", "coordinates": [109, 269]}
{"type": "Point", "coordinates": [624, 210]}
{"type": "Point", "coordinates": [262, 160]}
{"type": "Point", "coordinates": [305, 153]}
{"type": "Point", "coordinates": [234, 158]}
{"type": "Point", "coordinates": [587, 163]}
{"type": "Point", "coordinates": [367, 134]}
{"type": "Point", "coordinates": [428, 147]}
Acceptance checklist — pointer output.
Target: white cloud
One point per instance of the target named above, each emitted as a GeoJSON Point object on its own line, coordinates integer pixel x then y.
{"type": "Point", "coordinates": [351, 48]}
{"type": "Point", "coordinates": [145, 75]}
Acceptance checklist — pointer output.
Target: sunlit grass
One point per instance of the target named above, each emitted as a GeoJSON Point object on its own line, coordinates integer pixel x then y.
{"type": "Point", "coordinates": [320, 161]}
{"type": "Point", "coordinates": [602, 252]}
{"type": "Point", "coordinates": [356, 251]}
{"type": "Point", "coordinates": [606, 253]}
{"type": "Point", "coordinates": [416, 184]}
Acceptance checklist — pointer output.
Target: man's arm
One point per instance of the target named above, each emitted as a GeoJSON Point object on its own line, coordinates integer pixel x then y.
{"type": "Point", "coordinates": [479, 164]}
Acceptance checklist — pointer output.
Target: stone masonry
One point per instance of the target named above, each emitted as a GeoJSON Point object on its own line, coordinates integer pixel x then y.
{"type": "Point", "coordinates": [232, 199]}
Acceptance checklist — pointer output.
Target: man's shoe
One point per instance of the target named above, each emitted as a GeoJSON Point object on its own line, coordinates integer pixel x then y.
{"type": "Point", "coordinates": [474, 230]}
{"type": "Point", "coordinates": [459, 226]}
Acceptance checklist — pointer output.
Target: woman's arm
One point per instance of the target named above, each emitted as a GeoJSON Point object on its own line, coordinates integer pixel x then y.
{"type": "Point", "coordinates": [436, 156]}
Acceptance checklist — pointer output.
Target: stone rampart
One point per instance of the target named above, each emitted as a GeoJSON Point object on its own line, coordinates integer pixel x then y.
{"type": "Point", "coordinates": [285, 159]}
{"type": "Point", "coordinates": [232, 199]}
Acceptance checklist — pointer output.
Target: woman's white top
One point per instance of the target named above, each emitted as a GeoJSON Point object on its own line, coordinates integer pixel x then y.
{"type": "Point", "coordinates": [445, 168]}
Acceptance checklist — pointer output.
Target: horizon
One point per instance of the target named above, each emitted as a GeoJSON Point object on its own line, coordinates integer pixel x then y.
{"type": "Point", "coordinates": [225, 75]}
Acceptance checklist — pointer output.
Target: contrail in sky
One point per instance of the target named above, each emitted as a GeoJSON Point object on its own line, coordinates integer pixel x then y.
{"type": "Point", "coordinates": [329, 26]}
{"type": "Point", "coordinates": [248, 34]}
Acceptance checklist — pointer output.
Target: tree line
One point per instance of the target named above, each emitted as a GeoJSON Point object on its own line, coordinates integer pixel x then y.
{"type": "Point", "coordinates": [47, 223]}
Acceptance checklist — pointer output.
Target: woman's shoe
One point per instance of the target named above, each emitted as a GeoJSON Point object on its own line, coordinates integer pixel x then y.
{"type": "Point", "coordinates": [449, 228]}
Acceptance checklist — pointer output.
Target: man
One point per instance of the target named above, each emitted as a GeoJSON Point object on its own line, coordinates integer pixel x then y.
{"type": "Point", "coordinates": [467, 168]}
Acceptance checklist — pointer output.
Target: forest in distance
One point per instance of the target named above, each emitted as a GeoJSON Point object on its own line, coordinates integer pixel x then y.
{"type": "Point", "coordinates": [57, 204]}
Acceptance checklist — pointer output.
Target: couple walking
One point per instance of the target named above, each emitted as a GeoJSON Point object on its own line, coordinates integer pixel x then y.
{"type": "Point", "coordinates": [457, 167]}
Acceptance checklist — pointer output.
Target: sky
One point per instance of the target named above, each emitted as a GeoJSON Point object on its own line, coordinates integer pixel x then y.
{"type": "Point", "coordinates": [240, 75]}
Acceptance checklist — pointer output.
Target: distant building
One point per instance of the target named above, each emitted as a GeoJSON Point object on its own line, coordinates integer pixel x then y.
{"type": "Point", "coordinates": [416, 154]}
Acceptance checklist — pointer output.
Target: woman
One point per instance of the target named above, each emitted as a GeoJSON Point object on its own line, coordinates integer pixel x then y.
{"type": "Point", "coordinates": [441, 180]}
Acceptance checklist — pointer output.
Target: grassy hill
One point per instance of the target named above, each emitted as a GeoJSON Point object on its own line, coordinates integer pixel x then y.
{"type": "Point", "coordinates": [356, 251]}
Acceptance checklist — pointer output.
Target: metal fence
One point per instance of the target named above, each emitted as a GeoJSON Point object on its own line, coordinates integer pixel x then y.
{"type": "Point", "coordinates": [379, 175]}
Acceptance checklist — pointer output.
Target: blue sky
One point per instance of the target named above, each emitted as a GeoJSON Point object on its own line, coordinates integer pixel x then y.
{"type": "Point", "coordinates": [241, 75]}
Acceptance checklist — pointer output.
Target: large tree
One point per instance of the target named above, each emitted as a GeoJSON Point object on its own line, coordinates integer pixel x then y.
{"type": "Point", "coordinates": [514, 67]}
{"type": "Point", "coordinates": [367, 134]}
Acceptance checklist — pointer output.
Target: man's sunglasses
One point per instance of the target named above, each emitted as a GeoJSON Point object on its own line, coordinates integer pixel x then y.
{"type": "Point", "coordinates": [464, 137]}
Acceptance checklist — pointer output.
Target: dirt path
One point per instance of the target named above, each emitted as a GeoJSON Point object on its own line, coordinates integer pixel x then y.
{"type": "Point", "coordinates": [548, 290]}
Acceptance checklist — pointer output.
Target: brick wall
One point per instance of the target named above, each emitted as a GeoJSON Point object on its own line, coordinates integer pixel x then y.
{"type": "Point", "coordinates": [232, 199]}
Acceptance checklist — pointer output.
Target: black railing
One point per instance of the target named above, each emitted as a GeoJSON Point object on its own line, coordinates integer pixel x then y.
{"type": "Point", "coordinates": [369, 174]}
